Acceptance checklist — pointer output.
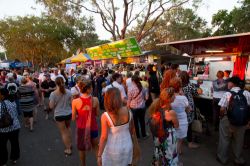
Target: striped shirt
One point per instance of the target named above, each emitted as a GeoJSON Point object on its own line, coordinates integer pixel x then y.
{"type": "Point", "coordinates": [27, 98]}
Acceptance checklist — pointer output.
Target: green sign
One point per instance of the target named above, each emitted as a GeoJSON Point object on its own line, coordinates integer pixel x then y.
{"type": "Point", "coordinates": [118, 49]}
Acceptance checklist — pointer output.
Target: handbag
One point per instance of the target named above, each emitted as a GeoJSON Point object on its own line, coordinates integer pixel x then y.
{"type": "Point", "coordinates": [6, 119]}
{"type": "Point", "coordinates": [197, 122]}
{"type": "Point", "coordinates": [136, 147]}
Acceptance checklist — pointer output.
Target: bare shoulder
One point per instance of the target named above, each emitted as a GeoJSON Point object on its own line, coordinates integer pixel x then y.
{"type": "Point", "coordinates": [103, 117]}
{"type": "Point", "coordinates": [95, 99]}
{"type": "Point", "coordinates": [172, 112]}
{"type": "Point", "coordinates": [76, 101]}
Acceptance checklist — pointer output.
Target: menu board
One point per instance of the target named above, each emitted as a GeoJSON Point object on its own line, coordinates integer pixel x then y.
{"type": "Point", "coordinates": [118, 49]}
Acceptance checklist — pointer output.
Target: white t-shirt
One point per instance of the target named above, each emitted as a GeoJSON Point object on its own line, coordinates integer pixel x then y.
{"type": "Point", "coordinates": [129, 83]}
{"type": "Point", "coordinates": [120, 87]}
{"type": "Point", "coordinates": [41, 77]}
{"type": "Point", "coordinates": [86, 76]}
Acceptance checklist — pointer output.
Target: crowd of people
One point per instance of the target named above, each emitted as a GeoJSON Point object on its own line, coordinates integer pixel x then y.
{"type": "Point", "coordinates": [122, 102]}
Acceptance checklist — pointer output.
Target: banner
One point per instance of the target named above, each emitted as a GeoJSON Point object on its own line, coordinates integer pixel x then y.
{"type": "Point", "coordinates": [118, 49]}
{"type": "Point", "coordinates": [69, 67]}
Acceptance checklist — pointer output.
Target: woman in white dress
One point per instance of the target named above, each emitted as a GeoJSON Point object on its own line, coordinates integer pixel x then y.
{"type": "Point", "coordinates": [116, 147]}
{"type": "Point", "coordinates": [180, 106]}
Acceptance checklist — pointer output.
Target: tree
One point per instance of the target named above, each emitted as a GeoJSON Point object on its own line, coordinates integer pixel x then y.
{"type": "Point", "coordinates": [44, 40]}
{"type": "Point", "coordinates": [177, 24]}
{"type": "Point", "coordinates": [236, 21]}
{"type": "Point", "coordinates": [2, 56]}
{"type": "Point", "coordinates": [110, 12]}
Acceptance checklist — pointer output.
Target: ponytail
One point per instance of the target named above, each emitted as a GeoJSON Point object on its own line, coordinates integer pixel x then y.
{"type": "Point", "coordinates": [60, 83]}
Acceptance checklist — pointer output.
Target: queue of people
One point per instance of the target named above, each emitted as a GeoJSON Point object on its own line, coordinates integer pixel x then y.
{"type": "Point", "coordinates": [82, 96]}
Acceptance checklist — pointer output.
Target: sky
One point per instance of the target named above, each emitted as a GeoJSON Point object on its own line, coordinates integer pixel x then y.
{"type": "Point", "coordinates": [29, 7]}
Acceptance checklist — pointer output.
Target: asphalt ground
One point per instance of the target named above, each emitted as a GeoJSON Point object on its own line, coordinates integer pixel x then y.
{"type": "Point", "coordinates": [44, 147]}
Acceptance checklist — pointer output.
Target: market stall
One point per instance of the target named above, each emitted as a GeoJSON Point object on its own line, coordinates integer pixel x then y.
{"type": "Point", "coordinates": [211, 54]}
{"type": "Point", "coordinates": [126, 50]}
{"type": "Point", "coordinates": [230, 52]}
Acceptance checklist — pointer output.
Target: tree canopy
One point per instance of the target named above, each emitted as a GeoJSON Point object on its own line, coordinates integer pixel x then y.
{"type": "Point", "coordinates": [177, 24]}
{"type": "Point", "coordinates": [44, 40]}
{"type": "Point", "coordinates": [128, 11]}
{"type": "Point", "coordinates": [236, 21]}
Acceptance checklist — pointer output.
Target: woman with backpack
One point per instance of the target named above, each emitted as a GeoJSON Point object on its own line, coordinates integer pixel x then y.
{"type": "Point", "coordinates": [8, 132]}
{"type": "Point", "coordinates": [163, 122]}
{"type": "Point", "coordinates": [60, 101]}
{"type": "Point", "coordinates": [85, 110]}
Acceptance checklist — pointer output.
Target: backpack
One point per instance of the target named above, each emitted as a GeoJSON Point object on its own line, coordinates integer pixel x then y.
{"type": "Point", "coordinates": [238, 110]}
{"type": "Point", "coordinates": [158, 126]}
{"type": "Point", "coordinates": [71, 81]}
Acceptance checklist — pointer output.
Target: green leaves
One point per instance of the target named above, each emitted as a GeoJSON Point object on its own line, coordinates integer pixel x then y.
{"type": "Point", "coordinates": [176, 24]}
{"type": "Point", "coordinates": [44, 40]}
{"type": "Point", "coordinates": [236, 21]}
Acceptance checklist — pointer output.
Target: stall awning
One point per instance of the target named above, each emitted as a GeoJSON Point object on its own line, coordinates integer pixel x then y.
{"type": "Point", "coordinates": [228, 45]}
{"type": "Point", "coordinates": [77, 58]}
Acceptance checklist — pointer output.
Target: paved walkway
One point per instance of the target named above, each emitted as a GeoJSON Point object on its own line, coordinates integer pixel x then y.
{"type": "Point", "coordinates": [44, 147]}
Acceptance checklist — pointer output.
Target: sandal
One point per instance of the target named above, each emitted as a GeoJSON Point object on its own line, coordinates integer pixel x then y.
{"type": "Point", "coordinates": [67, 152]}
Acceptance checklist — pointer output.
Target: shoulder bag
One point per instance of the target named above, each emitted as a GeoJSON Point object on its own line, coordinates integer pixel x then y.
{"type": "Point", "coordinates": [6, 119]}
{"type": "Point", "coordinates": [197, 122]}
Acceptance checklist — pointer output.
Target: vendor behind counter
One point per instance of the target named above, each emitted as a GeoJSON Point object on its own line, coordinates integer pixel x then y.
{"type": "Point", "coordinates": [219, 88]}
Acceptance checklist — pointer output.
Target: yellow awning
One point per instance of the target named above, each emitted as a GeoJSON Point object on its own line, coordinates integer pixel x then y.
{"type": "Point", "coordinates": [78, 58]}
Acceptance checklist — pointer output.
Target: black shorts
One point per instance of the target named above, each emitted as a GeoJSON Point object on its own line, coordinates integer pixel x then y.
{"type": "Point", "coordinates": [63, 118]}
{"type": "Point", "coordinates": [28, 114]}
